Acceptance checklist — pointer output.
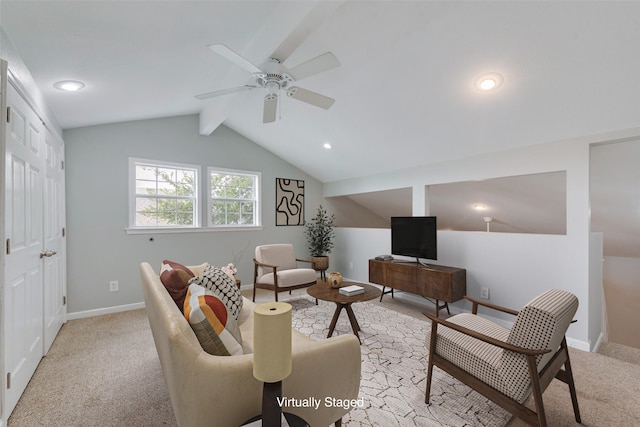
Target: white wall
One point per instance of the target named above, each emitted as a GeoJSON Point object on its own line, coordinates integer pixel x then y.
{"type": "Point", "coordinates": [513, 266]}
{"type": "Point", "coordinates": [99, 250]}
{"type": "Point", "coordinates": [516, 267]}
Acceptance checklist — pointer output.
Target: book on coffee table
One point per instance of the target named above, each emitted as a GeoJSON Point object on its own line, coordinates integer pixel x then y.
{"type": "Point", "coordinates": [352, 290]}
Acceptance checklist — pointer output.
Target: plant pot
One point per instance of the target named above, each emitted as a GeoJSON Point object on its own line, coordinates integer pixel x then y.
{"type": "Point", "coordinates": [319, 263]}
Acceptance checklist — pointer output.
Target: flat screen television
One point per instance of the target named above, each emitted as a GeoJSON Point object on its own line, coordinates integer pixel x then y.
{"type": "Point", "coordinates": [414, 236]}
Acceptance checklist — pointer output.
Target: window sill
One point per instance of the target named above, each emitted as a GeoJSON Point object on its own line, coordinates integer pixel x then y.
{"type": "Point", "coordinates": [180, 230]}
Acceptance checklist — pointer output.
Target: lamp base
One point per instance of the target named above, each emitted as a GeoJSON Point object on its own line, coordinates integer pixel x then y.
{"type": "Point", "coordinates": [271, 410]}
{"type": "Point", "coordinates": [288, 420]}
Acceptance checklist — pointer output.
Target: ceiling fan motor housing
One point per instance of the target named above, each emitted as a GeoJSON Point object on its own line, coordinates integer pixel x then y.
{"type": "Point", "coordinates": [274, 74]}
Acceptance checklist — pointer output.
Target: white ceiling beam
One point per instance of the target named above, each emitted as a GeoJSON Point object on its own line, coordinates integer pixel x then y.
{"type": "Point", "coordinates": [283, 31]}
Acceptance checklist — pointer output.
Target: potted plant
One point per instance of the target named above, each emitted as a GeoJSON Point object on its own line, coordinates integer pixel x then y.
{"type": "Point", "coordinates": [319, 232]}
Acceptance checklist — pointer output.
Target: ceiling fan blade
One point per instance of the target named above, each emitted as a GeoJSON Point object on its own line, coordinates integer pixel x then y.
{"type": "Point", "coordinates": [225, 91]}
{"type": "Point", "coordinates": [321, 63]}
{"type": "Point", "coordinates": [270, 108]}
{"type": "Point", "coordinates": [234, 57]}
{"type": "Point", "coordinates": [310, 97]}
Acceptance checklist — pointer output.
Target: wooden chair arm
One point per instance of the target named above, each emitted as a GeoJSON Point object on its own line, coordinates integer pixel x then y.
{"type": "Point", "coordinates": [476, 303]}
{"type": "Point", "coordinates": [262, 264]}
{"type": "Point", "coordinates": [304, 260]}
{"type": "Point", "coordinates": [483, 337]}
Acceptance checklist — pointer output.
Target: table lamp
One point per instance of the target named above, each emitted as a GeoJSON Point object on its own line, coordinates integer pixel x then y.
{"type": "Point", "coordinates": [272, 356]}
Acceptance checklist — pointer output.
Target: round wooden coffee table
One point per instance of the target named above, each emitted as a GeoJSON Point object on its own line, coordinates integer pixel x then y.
{"type": "Point", "coordinates": [324, 291]}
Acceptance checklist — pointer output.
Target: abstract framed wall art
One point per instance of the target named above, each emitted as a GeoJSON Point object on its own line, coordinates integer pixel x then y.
{"type": "Point", "coordinates": [289, 201]}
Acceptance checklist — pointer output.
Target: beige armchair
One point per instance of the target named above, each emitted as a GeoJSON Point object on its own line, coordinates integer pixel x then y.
{"type": "Point", "coordinates": [507, 365]}
{"type": "Point", "coordinates": [207, 390]}
{"type": "Point", "coordinates": [276, 269]}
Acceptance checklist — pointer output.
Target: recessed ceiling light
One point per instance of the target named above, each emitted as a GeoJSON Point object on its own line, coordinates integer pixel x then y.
{"type": "Point", "coordinates": [488, 82]}
{"type": "Point", "coordinates": [69, 85]}
{"type": "Point", "coordinates": [327, 146]}
{"type": "Point", "coordinates": [479, 207]}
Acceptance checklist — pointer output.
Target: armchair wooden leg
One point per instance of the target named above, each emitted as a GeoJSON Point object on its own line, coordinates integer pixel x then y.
{"type": "Point", "coordinates": [429, 374]}
{"type": "Point", "coordinates": [537, 391]}
{"type": "Point", "coordinates": [254, 293]}
{"type": "Point", "coordinates": [432, 350]}
{"type": "Point", "coordinates": [571, 384]}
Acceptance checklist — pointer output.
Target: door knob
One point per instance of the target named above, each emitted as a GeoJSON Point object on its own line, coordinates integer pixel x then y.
{"type": "Point", "coordinates": [47, 253]}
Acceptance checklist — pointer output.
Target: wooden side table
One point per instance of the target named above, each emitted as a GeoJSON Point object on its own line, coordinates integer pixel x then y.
{"type": "Point", "coordinates": [325, 292]}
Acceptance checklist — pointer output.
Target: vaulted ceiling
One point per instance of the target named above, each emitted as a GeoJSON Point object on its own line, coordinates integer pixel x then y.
{"type": "Point", "coordinates": [404, 91]}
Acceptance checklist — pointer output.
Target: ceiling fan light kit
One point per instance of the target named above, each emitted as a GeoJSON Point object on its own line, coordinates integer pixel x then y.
{"type": "Point", "coordinates": [274, 77]}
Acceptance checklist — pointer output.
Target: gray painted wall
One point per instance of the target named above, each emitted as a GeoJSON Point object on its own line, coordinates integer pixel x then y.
{"type": "Point", "coordinates": [99, 249]}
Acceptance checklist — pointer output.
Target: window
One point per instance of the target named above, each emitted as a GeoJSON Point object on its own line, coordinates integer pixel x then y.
{"type": "Point", "coordinates": [163, 194]}
{"type": "Point", "coordinates": [233, 198]}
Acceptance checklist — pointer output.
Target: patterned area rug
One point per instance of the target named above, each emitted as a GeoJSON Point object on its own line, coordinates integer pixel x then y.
{"type": "Point", "coordinates": [394, 360]}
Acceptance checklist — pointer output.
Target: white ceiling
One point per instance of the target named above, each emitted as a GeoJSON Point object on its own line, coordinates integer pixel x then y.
{"type": "Point", "coordinates": [404, 92]}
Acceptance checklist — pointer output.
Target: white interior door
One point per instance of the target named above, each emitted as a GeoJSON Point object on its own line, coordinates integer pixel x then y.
{"type": "Point", "coordinates": [24, 275]}
{"type": "Point", "coordinates": [54, 240]}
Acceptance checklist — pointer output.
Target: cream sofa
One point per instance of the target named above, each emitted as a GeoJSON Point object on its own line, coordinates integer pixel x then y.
{"type": "Point", "coordinates": [209, 390]}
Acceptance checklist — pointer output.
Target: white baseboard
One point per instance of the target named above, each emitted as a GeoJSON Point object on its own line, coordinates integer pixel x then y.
{"type": "Point", "coordinates": [599, 341]}
{"type": "Point", "coordinates": [579, 344]}
{"type": "Point", "coordinates": [102, 311]}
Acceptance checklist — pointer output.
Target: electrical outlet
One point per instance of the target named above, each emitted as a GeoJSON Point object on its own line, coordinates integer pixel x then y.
{"type": "Point", "coordinates": [484, 293]}
{"type": "Point", "coordinates": [113, 286]}
{"type": "Point", "coordinates": [350, 265]}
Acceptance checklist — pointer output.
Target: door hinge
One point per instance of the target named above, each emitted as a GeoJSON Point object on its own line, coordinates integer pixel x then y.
{"type": "Point", "coordinates": [8, 114]}
{"type": "Point", "coordinates": [8, 246]}
{"type": "Point", "coordinates": [8, 380]}
{"type": "Point", "coordinates": [64, 300]}
{"type": "Point", "coordinates": [63, 232]}
{"type": "Point", "coordinates": [61, 164]}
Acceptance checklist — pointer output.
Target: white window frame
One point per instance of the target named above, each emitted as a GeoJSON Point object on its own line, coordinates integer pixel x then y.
{"type": "Point", "coordinates": [257, 199]}
{"type": "Point", "coordinates": [133, 162]}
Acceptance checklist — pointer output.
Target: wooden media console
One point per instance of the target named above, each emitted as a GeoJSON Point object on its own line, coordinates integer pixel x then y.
{"type": "Point", "coordinates": [437, 282]}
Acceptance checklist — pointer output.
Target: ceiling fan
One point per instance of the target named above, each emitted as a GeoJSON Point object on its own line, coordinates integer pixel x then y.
{"type": "Point", "coordinates": [274, 77]}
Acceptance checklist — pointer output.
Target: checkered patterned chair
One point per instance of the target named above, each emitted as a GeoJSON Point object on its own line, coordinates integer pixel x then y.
{"type": "Point", "coordinates": [507, 365]}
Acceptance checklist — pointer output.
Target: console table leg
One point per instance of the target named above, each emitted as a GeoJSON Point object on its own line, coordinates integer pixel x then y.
{"type": "Point", "coordinates": [384, 293]}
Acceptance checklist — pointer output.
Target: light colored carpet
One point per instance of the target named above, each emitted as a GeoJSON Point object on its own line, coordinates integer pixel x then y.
{"type": "Point", "coordinates": [104, 371]}
{"type": "Point", "coordinates": [394, 358]}
{"type": "Point", "coordinates": [100, 371]}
